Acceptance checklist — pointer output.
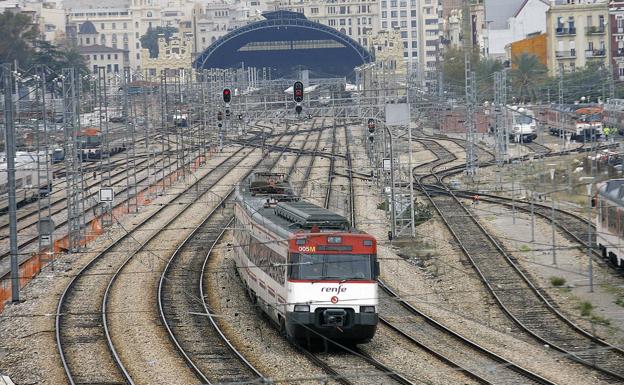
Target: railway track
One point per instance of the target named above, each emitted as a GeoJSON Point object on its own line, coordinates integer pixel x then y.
{"type": "Point", "coordinates": [522, 301]}
{"type": "Point", "coordinates": [28, 221]}
{"type": "Point", "coordinates": [182, 301]}
{"type": "Point", "coordinates": [82, 336]}
{"type": "Point", "coordinates": [457, 351]}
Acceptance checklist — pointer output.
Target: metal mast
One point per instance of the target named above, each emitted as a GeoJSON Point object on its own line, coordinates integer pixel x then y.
{"type": "Point", "coordinates": [72, 160]}
{"type": "Point", "coordinates": [470, 90]}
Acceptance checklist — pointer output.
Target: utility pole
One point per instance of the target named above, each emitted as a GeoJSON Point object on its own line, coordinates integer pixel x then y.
{"type": "Point", "coordinates": [470, 93]}
{"type": "Point", "coordinates": [72, 158]}
{"type": "Point", "coordinates": [10, 158]}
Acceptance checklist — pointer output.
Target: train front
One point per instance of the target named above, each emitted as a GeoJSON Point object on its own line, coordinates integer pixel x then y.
{"type": "Point", "coordinates": [332, 287]}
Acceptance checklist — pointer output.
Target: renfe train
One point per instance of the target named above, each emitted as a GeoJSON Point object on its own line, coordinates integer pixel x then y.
{"type": "Point", "coordinates": [610, 221]}
{"type": "Point", "coordinates": [312, 273]}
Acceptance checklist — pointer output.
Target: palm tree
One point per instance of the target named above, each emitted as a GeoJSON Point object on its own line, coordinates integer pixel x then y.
{"type": "Point", "coordinates": [527, 75]}
{"type": "Point", "coordinates": [18, 37]}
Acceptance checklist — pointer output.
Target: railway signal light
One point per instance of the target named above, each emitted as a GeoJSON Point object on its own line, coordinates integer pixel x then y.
{"type": "Point", "coordinates": [219, 115]}
{"type": "Point", "coordinates": [371, 125]}
{"type": "Point", "coordinates": [240, 116]}
{"type": "Point", "coordinates": [298, 109]}
{"type": "Point", "coordinates": [371, 137]}
{"type": "Point", "coordinates": [298, 92]}
{"type": "Point", "coordinates": [227, 95]}
{"type": "Point", "coordinates": [227, 113]}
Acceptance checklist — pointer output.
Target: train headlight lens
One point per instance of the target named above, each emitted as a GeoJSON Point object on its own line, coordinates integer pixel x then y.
{"type": "Point", "coordinates": [302, 308]}
{"type": "Point", "coordinates": [367, 309]}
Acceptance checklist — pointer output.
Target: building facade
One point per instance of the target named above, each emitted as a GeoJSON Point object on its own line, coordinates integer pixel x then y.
{"type": "Point", "coordinates": [530, 18]}
{"type": "Point", "coordinates": [616, 21]}
{"type": "Point", "coordinates": [536, 45]}
{"type": "Point", "coordinates": [173, 55]}
{"type": "Point", "coordinates": [354, 18]}
{"type": "Point", "coordinates": [577, 35]}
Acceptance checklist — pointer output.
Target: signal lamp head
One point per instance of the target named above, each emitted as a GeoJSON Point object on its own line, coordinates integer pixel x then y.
{"type": "Point", "coordinates": [227, 113]}
{"type": "Point", "coordinates": [220, 125]}
{"type": "Point", "coordinates": [227, 95]}
{"type": "Point", "coordinates": [298, 92]}
{"type": "Point", "coordinates": [298, 109]}
{"type": "Point", "coordinates": [371, 138]}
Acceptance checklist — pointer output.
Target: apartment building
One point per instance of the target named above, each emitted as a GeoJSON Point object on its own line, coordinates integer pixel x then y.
{"type": "Point", "coordinates": [578, 34]}
{"type": "Point", "coordinates": [354, 18]}
{"type": "Point", "coordinates": [122, 27]}
{"type": "Point", "coordinates": [616, 20]}
{"type": "Point", "coordinates": [419, 25]}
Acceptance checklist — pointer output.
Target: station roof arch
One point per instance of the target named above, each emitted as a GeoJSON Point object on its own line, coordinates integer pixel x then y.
{"type": "Point", "coordinates": [285, 42]}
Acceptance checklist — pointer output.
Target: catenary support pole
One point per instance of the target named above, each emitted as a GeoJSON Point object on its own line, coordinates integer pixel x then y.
{"type": "Point", "coordinates": [10, 157]}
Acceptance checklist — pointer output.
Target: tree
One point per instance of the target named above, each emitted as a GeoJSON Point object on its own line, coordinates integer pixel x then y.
{"type": "Point", "coordinates": [150, 39]}
{"type": "Point", "coordinates": [526, 77]}
{"type": "Point", "coordinates": [19, 35]}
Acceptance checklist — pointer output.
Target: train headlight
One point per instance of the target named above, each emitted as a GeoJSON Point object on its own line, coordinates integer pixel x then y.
{"type": "Point", "coordinates": [367, 309]}
{"type": "Point", "coordinates": [302, 308]}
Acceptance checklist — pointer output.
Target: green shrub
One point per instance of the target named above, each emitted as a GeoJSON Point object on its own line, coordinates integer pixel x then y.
{"type": "Point", "coordinates": [526, 248]}
{"type": "Point", "coordinates": [383, 206]}
{"type": "Point", "coordinates": [557, 281]}
{"type": "Point", "coordinates": [586, 308]}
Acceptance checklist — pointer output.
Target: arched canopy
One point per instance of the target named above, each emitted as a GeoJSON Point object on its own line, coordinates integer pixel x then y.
{"type": "Point", "coordinates": [285, 41]}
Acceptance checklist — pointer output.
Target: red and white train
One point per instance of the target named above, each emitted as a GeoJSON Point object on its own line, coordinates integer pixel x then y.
{"type": "Point", "coordinates": [610, 221]}
{"type": "Point", "coordinates": [312, 273]}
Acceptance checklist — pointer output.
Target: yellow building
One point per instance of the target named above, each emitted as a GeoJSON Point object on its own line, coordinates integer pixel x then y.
{"type": "Point", "coordinates": [533, 45]}
{"type": "Point", "coordinates": [173, 56]}
{"type": "Point", "coordinates": [578, 34]}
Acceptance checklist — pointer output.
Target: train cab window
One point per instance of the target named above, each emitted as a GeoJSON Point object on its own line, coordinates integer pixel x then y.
{"type": "Point", "coordinates": [19, 183]}
{"type": "Point", "coordinates": [330, 266]}
{"type": "Point", "coordinates": [29, 180]}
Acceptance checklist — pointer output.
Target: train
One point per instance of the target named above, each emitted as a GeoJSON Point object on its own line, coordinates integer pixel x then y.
{"type": "Point", "coordinates": [523, 125]}
{"type": "Point", "coordinates": [29, 184]}
{"type": "Point", "coordinates": [91, 145]}
{"type": "Point", "coordinates": [582, 122]}
{"type": "Point", "coordinates": [609, 201]}
{"type": "Point", "coordinates": [304, 266]}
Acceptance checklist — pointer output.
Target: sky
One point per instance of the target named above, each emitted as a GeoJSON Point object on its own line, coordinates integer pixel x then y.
{"type": "Point", "coordinates": [499, 11]}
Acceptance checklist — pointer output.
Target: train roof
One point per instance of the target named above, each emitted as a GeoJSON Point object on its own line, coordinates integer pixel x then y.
{"type": "Point", "coordinates": [613, 190]}
{"type": "Point", "coordinates": [282, 210]}
{"type": "Point", "coordinates": [22, 158]}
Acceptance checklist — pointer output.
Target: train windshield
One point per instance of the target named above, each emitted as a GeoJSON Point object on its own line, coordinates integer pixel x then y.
{"type": "Point", "coordinates": [522, 119]}
{"type": "Point", "coordinates": [331, 266]}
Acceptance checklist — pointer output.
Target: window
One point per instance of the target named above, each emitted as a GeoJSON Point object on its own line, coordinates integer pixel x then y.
{"type": "Point", "coordinates": [384, 24]}
{"type": "Point", "coordinates": [384, 14]}
{"type": "Point", "coordinates": [314, 11]}
{"type": "Point", "coordinates": [125, 25]}
{"type": "Point", "coordinates": [394, 14]}
{"type": "Point", "coordinates": [342, 22]}
{"type": "Point", "coordinates": [116, 57]}
{"type": "Point", "coordinates": [413, 13]}
{"type": "Point", "coordinates": [94, 57]}
{"type": "Point", "coordinates": [413, 23]}
{"type": "Point", "coordinates": [114, 26]}
{"type": "Point", "coordinates": [116, 68]}
{"type": "Point", "coordinates": [403, 34]}
{"type": "Point", "coordinates": [88, 40]}
{"type": "Point", "coordinates": [403, 24]}
{"type": "Point", "coordinates": [138, 56]}
{"type": "Point", "coordinates": [149, 13]}
{"type": "Point", "coordinates": [403, 13]}
{"type": "Point", "coordinates": [109, 56]}
{"type": "Point", "coordinates": [102, 26]}
{"type": "Point", "coordinates": [393, 3]}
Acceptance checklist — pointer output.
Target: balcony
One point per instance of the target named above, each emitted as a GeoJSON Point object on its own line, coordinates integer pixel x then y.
{"type": "Point", "coordinates": [619, 52]}
{"type": "Point", "coordinates": [570, 54]}
{"type": "Point", "coordinates": [599, 30]}
{"type": "Point", "coordinates": [560, 31]}
{"type": "Point", "coordinates": [597, 53]}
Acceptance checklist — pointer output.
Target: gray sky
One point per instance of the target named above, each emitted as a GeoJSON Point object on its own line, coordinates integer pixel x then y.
{"type": "Point", "coordinates": [499, 11]}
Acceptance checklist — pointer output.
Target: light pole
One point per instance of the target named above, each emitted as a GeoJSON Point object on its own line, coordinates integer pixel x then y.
{"type": "Point", "coordinates": [552, 199]}
{"type": "Point", "coordinates": [589, 231]}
